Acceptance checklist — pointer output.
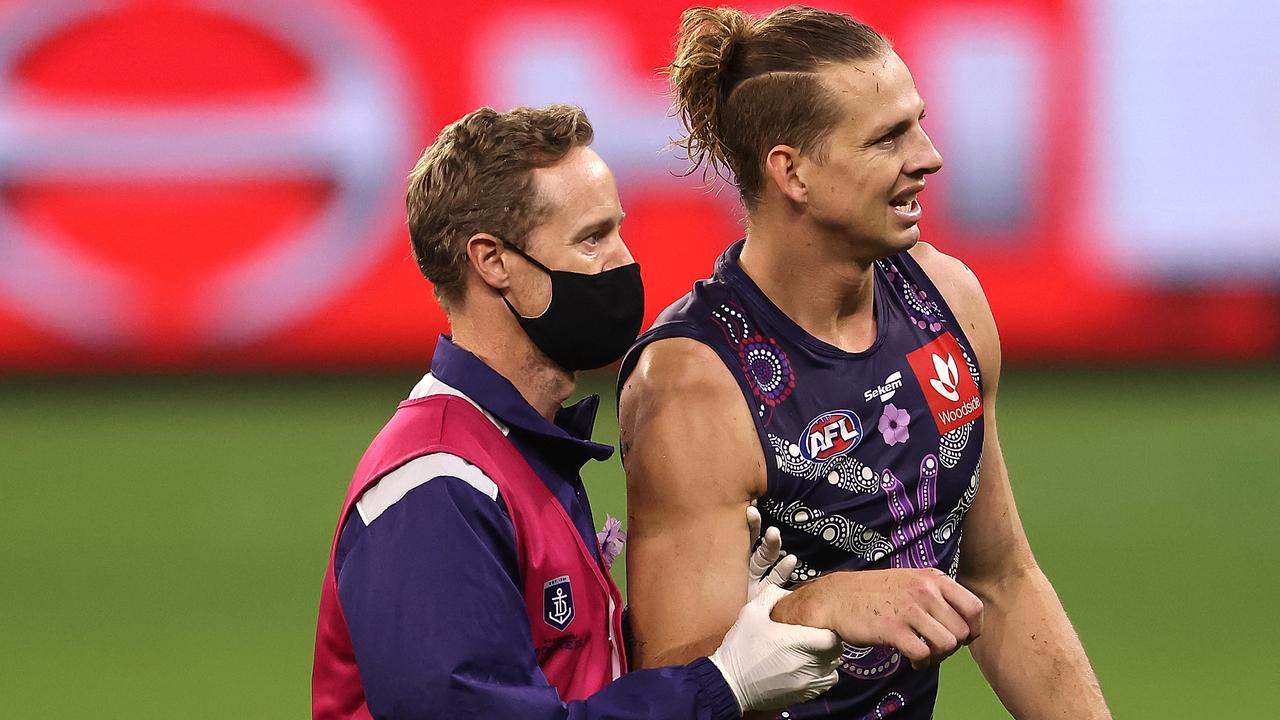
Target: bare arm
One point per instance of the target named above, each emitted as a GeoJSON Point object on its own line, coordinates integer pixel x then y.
{"type": "Point", "coordinates": [693, 463]}
{"type": "Point", "coordinates": [1028, 650]}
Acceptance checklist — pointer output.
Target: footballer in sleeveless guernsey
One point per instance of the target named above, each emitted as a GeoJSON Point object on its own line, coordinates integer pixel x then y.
{"type": "Point", "coordinates": [872, 457]}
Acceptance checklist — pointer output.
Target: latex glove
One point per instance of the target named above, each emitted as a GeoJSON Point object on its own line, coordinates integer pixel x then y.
{"type": "Point", "coordinates": [767, 555]}
{"type": "Point", "coordinates": [771, 665]}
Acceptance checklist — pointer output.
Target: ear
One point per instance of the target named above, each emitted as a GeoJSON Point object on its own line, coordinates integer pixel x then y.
{"type": "Point", "coordinates": [484, 254]}
{"type": "Point", "coordinates": [781, 169]}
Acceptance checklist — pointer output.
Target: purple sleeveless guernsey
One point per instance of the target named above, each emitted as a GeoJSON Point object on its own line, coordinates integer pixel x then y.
{"type": "Point", "coordinates": [872, 457]}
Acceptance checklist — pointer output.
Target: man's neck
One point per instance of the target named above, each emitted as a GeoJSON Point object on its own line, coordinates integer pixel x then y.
{"type": "Point", "coordinates": [510, 353]}
{"type": "Point", "coordinates": [814, 278]}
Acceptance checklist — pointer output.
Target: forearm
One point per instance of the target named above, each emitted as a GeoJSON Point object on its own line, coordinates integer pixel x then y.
{"type": "Point", "coordinates": [1031, 655]}
{"type": "Point", "coordinates": [696, 691]}
{"type": "Point", "coordinates": [646, 657]}
{"type": "Point", "coordinates": [690, 692]}
{"type": "Point", "coordinates": [805, 606]}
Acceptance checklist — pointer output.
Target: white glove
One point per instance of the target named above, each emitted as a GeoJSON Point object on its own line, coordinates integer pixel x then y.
{"type": "Point", "coordinates": [766, 556]}
{"type": "Point", "coordinates": [771, 665]}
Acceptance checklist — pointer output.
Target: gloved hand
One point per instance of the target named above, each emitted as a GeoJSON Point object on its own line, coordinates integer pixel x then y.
{"type": "Point", "coordinates": [768, 554]}
{"type": "Point", "coordinates": [771, 665]}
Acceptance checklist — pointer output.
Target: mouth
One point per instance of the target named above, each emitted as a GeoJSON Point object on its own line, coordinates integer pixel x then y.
{"type": "Point", "coordinates": [907, 209]}
{"type": "Point", "coordinates": [905, 204]}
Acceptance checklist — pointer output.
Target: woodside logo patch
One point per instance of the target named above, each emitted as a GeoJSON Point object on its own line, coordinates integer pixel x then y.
{"type": "Point", "coordinates": [947, 384]}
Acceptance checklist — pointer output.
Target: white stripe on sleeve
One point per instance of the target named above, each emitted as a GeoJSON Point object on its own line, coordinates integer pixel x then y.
{"type": "Point", "coordinates": [396, 484]}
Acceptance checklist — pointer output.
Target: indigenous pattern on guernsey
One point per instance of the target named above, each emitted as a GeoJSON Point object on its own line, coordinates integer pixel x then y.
{"type": "Point", "coordinates": [951, 445]}
{"type": "Point", "coordinates": [844, 471]}
{"type": "Point", "coordinates": [942, 533]}
{"type": "Point", "coordinates": [872, 457]}
{"type": "Point", "coordinates": [835, 530]}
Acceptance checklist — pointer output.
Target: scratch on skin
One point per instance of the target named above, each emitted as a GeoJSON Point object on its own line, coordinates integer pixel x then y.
{"type": "Point", "coordinates": [624, 443]}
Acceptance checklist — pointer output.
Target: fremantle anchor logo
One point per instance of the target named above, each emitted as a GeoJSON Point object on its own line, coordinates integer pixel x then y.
{"type": "Point", "coordinates": [557, 602]}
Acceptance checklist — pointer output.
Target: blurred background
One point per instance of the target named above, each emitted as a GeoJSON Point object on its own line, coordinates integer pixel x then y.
{"type": "Point", "coordinates": [208, 306]}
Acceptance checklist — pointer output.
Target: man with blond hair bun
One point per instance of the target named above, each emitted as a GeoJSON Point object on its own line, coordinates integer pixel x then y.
{"type": "Point", "coordinates": [841, 374]}
{"type": "Point", "coordinates": [465, 579]}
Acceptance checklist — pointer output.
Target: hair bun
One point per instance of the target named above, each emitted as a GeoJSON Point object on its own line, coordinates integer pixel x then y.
{"type": "Point", "coordinates": [702, 78]}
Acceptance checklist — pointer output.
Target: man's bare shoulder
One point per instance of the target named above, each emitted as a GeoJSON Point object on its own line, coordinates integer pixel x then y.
{"type": "Point", "coordinates": [679, 403]}
{"type": "Point", "coordinates": [957, 283]}
{"type": "Point", "coordinates": [683, 368]}
{"type": "Point", "coordinates": [963, 293]}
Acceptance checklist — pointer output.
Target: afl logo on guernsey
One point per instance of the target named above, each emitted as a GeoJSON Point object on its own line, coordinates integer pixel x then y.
{"type": "Point", "coordinates": [830, 435]}
{"type": "Point", "coordinates": [557, 602]}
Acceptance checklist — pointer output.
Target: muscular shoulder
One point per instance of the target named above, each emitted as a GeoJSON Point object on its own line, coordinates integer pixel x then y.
{"type": "Point", "coordinates": [957, 283]}
{"type": "Point", "coordinates": [962, 291]}
{"type": "Point", "coordinates": [681, 367]}
{"type": "Point", "coordinates": [681, 401]}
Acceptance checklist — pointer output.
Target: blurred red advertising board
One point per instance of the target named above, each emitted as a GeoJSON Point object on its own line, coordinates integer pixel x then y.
{"type": "Point", "coordinates": [219, 184]}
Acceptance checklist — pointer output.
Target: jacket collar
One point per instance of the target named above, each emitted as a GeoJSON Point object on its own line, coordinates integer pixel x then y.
{"type": "Point", "coordinates": [572, 428]}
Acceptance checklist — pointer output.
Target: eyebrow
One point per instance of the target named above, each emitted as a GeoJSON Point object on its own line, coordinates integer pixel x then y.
{"type": "Point", "coordinates": [897, 128]}
{"type": "Point", "coordinates": [600, 226]}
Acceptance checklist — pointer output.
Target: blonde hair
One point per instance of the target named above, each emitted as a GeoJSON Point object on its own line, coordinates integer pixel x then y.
{"type": "Point", "coordinates": [743, 85]}
{"type": "Point", "coordinates": [476, 177]}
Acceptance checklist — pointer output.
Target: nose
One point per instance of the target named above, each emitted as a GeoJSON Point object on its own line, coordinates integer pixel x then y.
{"type": "Point", "coordinates": [618, 255]}
{"type": "Point", "coordinates": [926, 159]}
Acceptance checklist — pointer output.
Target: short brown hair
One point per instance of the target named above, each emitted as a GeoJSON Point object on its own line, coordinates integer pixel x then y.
{"type": "Point", "coordinates": [743, 85]}
{"type": "Point", "coordinates": [476, 178]}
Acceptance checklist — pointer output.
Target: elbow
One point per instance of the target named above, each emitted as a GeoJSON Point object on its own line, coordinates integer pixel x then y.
{"type": "Point", "coordinates": [996, 583]}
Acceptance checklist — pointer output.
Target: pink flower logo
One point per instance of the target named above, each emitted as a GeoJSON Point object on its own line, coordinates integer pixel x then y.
{"type": "Point", "coordinates": [611, 540]}
{"type": "Point", "coordinates": [893, 425]}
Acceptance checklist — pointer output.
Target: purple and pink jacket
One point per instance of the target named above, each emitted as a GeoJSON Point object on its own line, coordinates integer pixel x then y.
{"type": "Point", "coordinates": [465, 579]}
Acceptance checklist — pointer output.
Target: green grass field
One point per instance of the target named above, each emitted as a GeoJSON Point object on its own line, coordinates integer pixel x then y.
{"type": "Point", "coordinates": [164, 540]}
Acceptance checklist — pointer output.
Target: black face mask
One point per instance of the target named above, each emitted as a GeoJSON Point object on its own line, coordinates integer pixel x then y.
{"type": "Point", "coordinates": [592, 319]}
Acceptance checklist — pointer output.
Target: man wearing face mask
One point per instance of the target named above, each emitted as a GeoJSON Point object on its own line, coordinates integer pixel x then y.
{"type": "Point", "coordinates": [466, 578]}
